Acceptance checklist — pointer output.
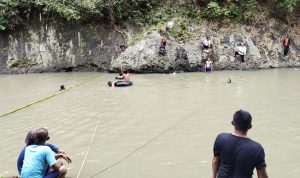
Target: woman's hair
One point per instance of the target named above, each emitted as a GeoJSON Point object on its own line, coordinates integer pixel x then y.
{"type": "Point", "coordinates": [30, 137]}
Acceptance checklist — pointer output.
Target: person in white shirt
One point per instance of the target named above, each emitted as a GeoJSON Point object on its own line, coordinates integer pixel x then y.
{"type": "Point", "coordinates": [241, 50]}
{"type": "Point", "coordinates": [169, 26]}
{"type": "Point", "coordinates": [206, 43]}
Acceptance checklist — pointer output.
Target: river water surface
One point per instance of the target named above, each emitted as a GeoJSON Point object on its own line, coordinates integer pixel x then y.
{"type": "Point", "coordinates": [164, 126]}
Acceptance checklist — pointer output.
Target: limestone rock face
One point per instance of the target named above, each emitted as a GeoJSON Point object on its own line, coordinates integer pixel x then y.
{"type": "Point", "coordinates": [262, 52]}
{"type": "Point", "coordinates": [42, 47]}
{"type": "Point", "coordinates": [144, 57]}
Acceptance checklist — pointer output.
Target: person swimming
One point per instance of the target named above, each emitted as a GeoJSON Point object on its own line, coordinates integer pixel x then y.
{"type": "Point", "coordinates": [124, 80]}
{"type": "Point", "coordinates": [228, 80]}
{"type": "Point", "coordinates": [62, 87]}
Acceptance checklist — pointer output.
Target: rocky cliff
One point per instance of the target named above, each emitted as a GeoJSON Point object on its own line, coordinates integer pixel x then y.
{"type": "Point", "coordinates": [45, 47]}
{"type": "Point", "coordinates": [263, 42]}
{"type": "Point", "coordinates": [42, 47]}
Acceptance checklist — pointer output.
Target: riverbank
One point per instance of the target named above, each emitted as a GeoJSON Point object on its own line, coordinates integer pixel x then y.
{"type": "Point", "coordinates": [43, 46]}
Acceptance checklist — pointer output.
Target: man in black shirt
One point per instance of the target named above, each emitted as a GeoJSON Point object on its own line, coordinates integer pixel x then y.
{"type": "Point", "coordinates": [236, 155]}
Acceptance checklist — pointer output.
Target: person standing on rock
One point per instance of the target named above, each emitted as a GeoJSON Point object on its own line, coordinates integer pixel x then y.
{"type": "Point", "coordinates": [163, 40]}
{"type": "Point", "coordinates": [286, 45]}
{"type": "Point", "coordinates": [208, 65]}
{"type": "Point", "coordinates": [162, 46]}
{"type": "Point", "coordinates": [241, 50]}
{"type": "Point", "coordinates": [236, 155]}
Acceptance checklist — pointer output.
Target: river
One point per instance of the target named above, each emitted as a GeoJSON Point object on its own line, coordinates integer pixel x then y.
{"type": "Point", "coordinates": [163, 126]}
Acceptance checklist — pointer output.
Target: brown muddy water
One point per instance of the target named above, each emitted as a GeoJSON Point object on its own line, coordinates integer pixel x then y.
{"type": "Point", "coordinates": [163, 126]}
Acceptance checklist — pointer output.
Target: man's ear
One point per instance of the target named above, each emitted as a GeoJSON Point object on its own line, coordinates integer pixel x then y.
{"type": "Point", "coordinates": [250, 126]}
{"type": "Point", "coordinates": [232, 122]}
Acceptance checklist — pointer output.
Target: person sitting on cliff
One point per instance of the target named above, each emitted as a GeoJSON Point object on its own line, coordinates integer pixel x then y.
{"type": "Point", "coordinates": [208, 65]}
{"type": "Point", "coordinates": [286, 44]}
{"type": "Point", "coordinates": [206, 43]}
{"type": "Point", "coordinates": [122, 47]}
{"type": "Point", "coordinates": [169, 26]}
{"type": "Point", "coordinates": [241, 50]}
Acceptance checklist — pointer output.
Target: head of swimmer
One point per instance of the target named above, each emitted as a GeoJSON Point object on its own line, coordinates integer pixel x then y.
{"type": "Point", "coordinates": [109, 83]}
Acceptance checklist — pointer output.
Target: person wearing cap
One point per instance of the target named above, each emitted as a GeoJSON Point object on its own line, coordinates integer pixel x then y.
{"type": "Point", "coordinates": [236, 155]}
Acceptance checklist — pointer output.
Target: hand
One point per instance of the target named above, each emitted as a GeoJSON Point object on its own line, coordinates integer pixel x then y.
{"type": "Point", "coordinates": [67, 158]}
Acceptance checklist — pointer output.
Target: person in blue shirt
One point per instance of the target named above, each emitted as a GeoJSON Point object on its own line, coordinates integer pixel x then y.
{"type": "Point", "coordinates": [30, 139]}
{"type": "Point", "coordinates": [236, 155]}
{"type": "Point", "coordinates": [38, 157]}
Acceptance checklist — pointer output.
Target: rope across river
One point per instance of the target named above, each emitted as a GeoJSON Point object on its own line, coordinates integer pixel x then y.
{"type": "Point", "coordinates": [163, 132]}
{"type": "Point", "coordinates": [46, 98]}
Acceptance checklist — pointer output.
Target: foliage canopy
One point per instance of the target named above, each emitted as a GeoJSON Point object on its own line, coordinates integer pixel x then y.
{"type": "Point", "coordinates": [15, 12]}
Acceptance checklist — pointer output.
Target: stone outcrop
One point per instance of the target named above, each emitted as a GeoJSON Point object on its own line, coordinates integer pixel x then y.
{"type": "Point", "coordinates": [144, 57]}
{"type": "Point", "coordinates": [262, 53]}
{"type": "Point", "coordinates": [41, 47]}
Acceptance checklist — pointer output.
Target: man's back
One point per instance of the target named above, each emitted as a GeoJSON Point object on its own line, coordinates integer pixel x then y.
{"type": "Point", "coordinates": [238, 155]}
{"type": "Point", "coordinates": [36, 160]}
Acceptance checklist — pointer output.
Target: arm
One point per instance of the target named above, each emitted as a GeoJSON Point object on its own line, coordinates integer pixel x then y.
{"type": "Point", "coordinates": [20, 160]}
{"type": "Point", "coordinates": [64, 156]}
{"type": "Point", "coordinates": [53, 147]}
{"type": "Point", "coordinates": [262, 172]}
{"type": "Point", "coordinates": [121, 76]}
{"type": "Point", "coordinates": [215, 166]}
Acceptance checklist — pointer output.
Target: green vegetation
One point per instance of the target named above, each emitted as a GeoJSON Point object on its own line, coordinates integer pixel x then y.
{"type": "Point", "coordinates": [140, 12]}
{"type": "Point", "coordinates": [19, 63]}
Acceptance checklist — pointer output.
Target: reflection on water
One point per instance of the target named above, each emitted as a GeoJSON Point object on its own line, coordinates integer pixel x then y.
{"type": "Point", "coordinates": [163, 126]}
